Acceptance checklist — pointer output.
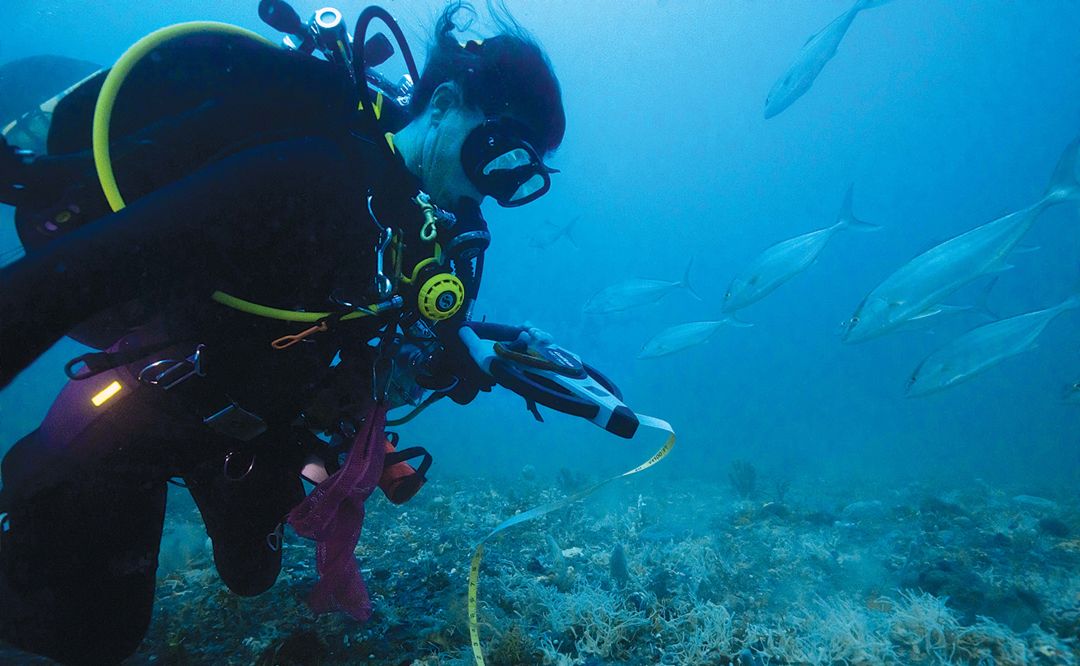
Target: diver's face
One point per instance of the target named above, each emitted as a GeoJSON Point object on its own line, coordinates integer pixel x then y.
{"type": "Point", "coordinates": [441, 173]}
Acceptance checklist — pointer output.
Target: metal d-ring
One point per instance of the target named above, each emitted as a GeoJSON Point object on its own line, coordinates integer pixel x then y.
{"type": "Point", "coordinates": [153, 368]}
{"type": "Point", "coordinates": [228, 460]}
{"type": "Point", "coordinates": [160, 370]}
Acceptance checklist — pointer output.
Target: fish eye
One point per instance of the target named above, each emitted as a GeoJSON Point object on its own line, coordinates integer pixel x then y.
{"type": "Point", "coordinates": [854, 320]}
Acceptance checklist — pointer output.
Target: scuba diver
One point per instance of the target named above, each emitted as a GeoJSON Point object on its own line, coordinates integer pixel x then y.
{"type": "Point", "coordinates": [265, 247]}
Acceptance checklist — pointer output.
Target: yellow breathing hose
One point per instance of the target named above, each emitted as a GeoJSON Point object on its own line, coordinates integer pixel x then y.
{"type": "Point", "coordinates": [103, 110]}
{"type": "Point", "coordinates": [278, 313]}
{"type": "Point", "coordinates": [118, 74]}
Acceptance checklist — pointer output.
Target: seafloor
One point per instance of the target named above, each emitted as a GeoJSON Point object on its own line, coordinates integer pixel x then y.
{"type": "Point", "coordinates": [658, 571]}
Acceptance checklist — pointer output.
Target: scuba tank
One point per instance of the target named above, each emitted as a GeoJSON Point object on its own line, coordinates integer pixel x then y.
{"type": "Point", "coordinates": [192, 89]}
{"type": "Point", "coordinates": [186, 90]}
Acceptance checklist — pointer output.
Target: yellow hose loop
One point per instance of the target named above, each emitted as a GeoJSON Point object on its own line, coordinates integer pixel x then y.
{"type": "Point", "coordinates": [276, 313]}
{"type": "Point", "coordinates": [417, 269]}
{"type": "Point", "coordinates": [435, 259]}
{"type": "Point", "coordinates": [118, 74]}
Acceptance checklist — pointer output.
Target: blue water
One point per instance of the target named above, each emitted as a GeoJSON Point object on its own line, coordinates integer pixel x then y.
{"type": "Point", "coordinates": [944, 115]}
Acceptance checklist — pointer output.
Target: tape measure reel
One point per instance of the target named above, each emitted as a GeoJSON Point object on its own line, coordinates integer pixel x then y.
{"type": "Point", "coordinates": [441, 296]}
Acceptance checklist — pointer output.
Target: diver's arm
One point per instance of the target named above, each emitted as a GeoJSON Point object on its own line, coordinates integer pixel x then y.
{"type": "Point", "coordinates": [219, 223]}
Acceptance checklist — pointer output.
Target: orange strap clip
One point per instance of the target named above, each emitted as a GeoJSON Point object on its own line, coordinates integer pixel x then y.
{"type": "Point", "coordinates": [287, 341]}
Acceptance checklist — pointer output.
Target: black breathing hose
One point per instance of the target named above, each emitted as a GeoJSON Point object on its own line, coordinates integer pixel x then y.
{"type": "Point", "coordinates": [360, 37]}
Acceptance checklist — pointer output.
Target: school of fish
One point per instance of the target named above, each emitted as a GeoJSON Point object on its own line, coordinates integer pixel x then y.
{"type": "Point", "coordinates": [911, 297]}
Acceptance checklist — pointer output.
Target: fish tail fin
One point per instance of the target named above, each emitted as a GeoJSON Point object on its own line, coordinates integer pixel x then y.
{"type": "Point", "coordinates": [1064, 184]}
{"type": "Point", "coordinates": [569, 232]}
{"type": "Point", "coordinates": [732, 320]}
{"type": "Point", "coordinates": [846, 218]}
{"type": "Point", "coordinates": [685, 282]}
{"type": "Point", "coordinates": [982, 304]}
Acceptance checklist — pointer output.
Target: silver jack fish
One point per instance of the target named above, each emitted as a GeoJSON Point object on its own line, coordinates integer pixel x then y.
{"type": "Point", "coordinates": [817, 51]}
{"type": "Point", "coordinates": [982, 348]}
{"type": "Point", "coordinates": [677, 338]}
{"type": "Point", "coordinates": [786, 259]}
{"type": "Point", "coordinates": [927, 320]}
{"type": "Point", "coordinates": [929, 278]}
{"type": "Point", "coordinates": [635, 293]}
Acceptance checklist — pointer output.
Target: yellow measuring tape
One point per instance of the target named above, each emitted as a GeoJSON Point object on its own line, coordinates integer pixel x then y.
{"type": "Point", "coordinates": [536, 512]}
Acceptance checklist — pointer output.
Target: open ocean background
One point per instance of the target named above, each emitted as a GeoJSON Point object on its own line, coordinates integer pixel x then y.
{"type": "Point", "coordinates": [944, 116]}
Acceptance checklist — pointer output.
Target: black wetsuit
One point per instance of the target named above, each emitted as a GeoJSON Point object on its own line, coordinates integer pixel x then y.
{"type": "Point", "coordinates": [257, 184]}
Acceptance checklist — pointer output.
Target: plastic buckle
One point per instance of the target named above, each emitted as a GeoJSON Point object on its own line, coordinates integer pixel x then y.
{"type": "Point", "coordinates": [275, 539]}
{"type": "Point", "coordinates": [236, 422]}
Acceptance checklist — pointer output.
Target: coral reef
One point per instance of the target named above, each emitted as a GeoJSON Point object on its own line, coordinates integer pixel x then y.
{"type": "Point", "coordinates": [660, 573]}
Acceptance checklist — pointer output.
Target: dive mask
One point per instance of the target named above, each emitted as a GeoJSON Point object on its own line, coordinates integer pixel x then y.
{"type": "Point", "coordinates": [501, 164]}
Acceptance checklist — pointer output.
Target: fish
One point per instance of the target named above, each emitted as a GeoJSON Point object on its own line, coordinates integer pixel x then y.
{"type": "Point", "coordinates": [944, 311]}
{"type": "Point", "coordinates": [549, 234]}
{"type": "Point", "coordinates": [816, 52]}
{"type": "Point", "coordinates": [683, 336]}
{"type": "Point", "coordinates": [922, 283]}
{"type": "Point", "coordinates": [635, 293]}
{"type": "Point", "coordinates": [786, 259]}
{"type": "Point", "coordinates": [983, 347]}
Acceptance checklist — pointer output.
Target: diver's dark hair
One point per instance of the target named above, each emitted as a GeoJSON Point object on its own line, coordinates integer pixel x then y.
{"type": "Point", "coordinates": [508, 73]}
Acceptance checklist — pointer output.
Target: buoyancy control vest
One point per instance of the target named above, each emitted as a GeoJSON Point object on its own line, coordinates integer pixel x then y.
{"type": "Point", "coordinates": [195, 101]}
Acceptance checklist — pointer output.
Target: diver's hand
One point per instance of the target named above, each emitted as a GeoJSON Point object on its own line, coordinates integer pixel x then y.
{"type": "Point", "coordinates": [532, 336]}
{"type": "Point", "coordinates": [455, 363]}
{"type": "Point", "coordinates": [457, 360]}
{"type": "Point", "coordinates": [470, 380]}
